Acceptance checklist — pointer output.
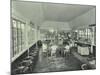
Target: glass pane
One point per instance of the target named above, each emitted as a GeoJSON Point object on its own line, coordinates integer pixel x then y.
{"type": "Point", "coordinates": [14, 23]}
{"type": "Point", "coordinates": [19, 37]}
{"type": "Point", "coordinates": [22, 25]}
{"type": "Point", "coordinates": [14, 35]}
{"type": "Point", "coordinates": [23, 35]}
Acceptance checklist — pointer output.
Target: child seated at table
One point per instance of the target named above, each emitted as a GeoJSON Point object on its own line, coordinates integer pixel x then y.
{"type": "Point", "coordinates": [53, 49]}
{"type": "Point", "coordinates": [44, 49]}
{"type": "Point", "coordinates": [67, 50]}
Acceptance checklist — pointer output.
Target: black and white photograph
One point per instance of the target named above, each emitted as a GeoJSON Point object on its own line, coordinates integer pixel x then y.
{"type": "Point", "coordinates": [52, 37]}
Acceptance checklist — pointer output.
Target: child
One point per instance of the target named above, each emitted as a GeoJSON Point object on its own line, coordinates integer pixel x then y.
{"type": "Point", "coordinates": [67, 51]}
{"type": "Point", "coordinates": [53, 49]}
{"type": "Point", "coordinates": [44, 49]}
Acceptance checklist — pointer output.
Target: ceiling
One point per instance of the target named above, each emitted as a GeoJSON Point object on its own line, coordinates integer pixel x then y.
{"type": "Point", "coordinates": [50, 11]}
{"type": "Point", "coordinates": [63, 12]}
{"type": "Point", "coordinates": [30, 10]}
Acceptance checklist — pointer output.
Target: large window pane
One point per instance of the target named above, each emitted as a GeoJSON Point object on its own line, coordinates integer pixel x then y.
{"type": "Point", "coordinates": [23, 35]}
{"type": "Point", "coordinates": [19, 37]}
{"type": "Point", "coordinates": [14, 28]}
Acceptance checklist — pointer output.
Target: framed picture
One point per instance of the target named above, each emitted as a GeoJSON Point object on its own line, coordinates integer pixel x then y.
{"type": "Point", "coordinates": [52, 37]}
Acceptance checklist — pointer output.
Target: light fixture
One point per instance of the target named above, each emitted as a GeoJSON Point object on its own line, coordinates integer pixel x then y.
{"type": "Point", "coordinates": [76, 30]}
{"type": "Point", "coordinates": [51, 30]}
{"type": "Point", "coordinates": [32, 28]}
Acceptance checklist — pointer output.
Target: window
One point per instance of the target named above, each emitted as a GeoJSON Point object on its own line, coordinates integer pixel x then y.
{"type": "Point", "coordinates": [87, 34]}
{"type": "Point", "coordinates": [14, 37]}
{"type": "Point", "coordinates": [17, 36]}
{"type": "Point", "coordinates": [23, 35]}
{"type": "Point", "coordinates": [31, 34]}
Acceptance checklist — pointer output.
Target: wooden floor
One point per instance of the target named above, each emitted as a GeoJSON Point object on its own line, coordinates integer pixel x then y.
{"type": "Point", "coordinates": [53, 64]}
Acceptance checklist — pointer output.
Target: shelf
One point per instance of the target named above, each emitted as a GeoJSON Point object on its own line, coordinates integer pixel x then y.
{"type": "Point", "coordinates": [85, 43]}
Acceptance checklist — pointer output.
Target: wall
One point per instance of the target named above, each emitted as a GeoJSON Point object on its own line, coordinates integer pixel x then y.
{"type": "Point", "coordinates": [84, 20]}
{"type": "Point", "coordinates": [17, 15]}
{"type": "Point", "coordinates": [55, 25]}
